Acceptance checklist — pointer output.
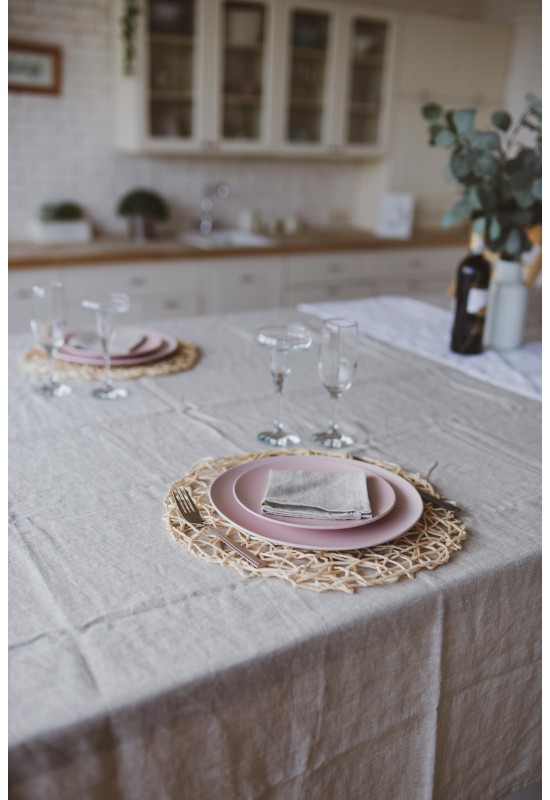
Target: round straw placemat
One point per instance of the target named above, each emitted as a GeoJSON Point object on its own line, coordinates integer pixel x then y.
{"type": "Point", "coordinates": [35, 361]}
{"type": "Point", "coordinates": [429, 544]}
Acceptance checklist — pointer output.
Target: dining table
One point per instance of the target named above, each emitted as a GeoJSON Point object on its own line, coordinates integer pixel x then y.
{"type": "Point", "coordinates": [140, 670]}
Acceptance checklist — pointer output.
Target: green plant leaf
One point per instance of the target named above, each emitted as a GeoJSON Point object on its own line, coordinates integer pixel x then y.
{"type": "Point", "coordinates": [487, 165]}
{"type": "Point", "coordinates": [488, 198]}
{"type": "Point", "coordinates": [494, 228]}
{"type": "Point", "coordinates": [431, 111]}
{"type": "Point", "coordinates": [501, 120]}
{"type": "Point", "coordinates": [513, 243]}
{"type": "Point", "coordinates": [434, 130]}
{"type": "Point", "coordinates": [472, 196]}
{"type": "Point", "coordinates": [461, 164]}
{"type": "Point", "coordinates": [537, 188]}
{"type": "Point", "coordinates": [485, 140]}
{"type": "Point", "coordinates": [458, 211]}
{"type": "Point", "coordinates": [444, 138]}
{"type": "Point", "coordinates": [463, 119]}
{"type": "Point", "coordinates": [534, 103]}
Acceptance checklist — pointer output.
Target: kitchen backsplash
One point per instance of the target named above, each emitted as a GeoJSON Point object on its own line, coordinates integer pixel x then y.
{"type": "Point", "coordinates": [62, 147]}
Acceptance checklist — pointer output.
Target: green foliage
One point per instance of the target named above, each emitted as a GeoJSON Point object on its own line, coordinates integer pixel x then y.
{"type": "Point", "coordinates": [143, 203]}
{"type": "Point", "coordinates": [128, 27]}
{"type": "Point", "coordinates": [501, 180]}
{"type": "Point", "coordinates": [66, 211]}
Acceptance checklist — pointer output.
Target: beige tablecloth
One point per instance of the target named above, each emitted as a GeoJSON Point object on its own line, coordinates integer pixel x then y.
{"type": "Point", "coordinates": [138, 671]}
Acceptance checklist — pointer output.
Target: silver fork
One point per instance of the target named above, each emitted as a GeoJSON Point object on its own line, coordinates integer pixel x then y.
{"type": "Point", "coordinates": [192, 515]}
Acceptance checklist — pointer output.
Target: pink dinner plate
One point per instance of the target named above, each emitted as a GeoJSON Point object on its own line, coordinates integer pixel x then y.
{"type": "Point", "coordinates": [152, 341]}
{"type": "Point", "coordinates": [249, 490]}
{"type": "Point", "coordinates": [169, 346]}
{"type": "Point", "coordinates": [406, 512]}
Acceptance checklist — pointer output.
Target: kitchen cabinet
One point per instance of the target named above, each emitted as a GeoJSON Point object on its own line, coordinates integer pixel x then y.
{"type": "Point", "coordinates": [244, 76]}
{"type": "Point", "coordinates": [237, 284]}
{"type": "Point", "coordinates": [161, 290]}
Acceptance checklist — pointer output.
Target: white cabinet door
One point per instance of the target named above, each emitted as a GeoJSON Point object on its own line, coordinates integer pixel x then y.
{"type": "Point", "coordinates": [241, 284]}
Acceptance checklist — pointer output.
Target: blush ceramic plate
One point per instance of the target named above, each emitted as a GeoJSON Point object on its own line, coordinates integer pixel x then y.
{"type": "Point", "coordinates": [169, 345]}
{"type": "Point", "coordinates": [406, 512]}
{"type": "Point", "coordinates": [249, 490]}
{"type": "Point", "coordinates": [152, 341]}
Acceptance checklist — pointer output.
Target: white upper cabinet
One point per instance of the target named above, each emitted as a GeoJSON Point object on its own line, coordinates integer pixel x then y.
{"type": "Point", "coordinates": [245, 76]}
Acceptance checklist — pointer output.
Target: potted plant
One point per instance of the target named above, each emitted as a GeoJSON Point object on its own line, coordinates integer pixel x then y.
{"type": "Point", "coordinates": [500, 171]}
{"type": "Point", "coordinates": [143, 208]}
{"type": "Point", "coordinates": [61, 223]}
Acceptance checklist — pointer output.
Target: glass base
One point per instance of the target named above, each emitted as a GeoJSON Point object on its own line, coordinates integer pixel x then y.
{"type": "Point", "coordinates": [279, 438]}
{"type": "Point", "coordinates": [55, 389]}
{"type": "Point", "coordinates": [334, 439]}
{"type": "Point", "coordinates": [112, 393]}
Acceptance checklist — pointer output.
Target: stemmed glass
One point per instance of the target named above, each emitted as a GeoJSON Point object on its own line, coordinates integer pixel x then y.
{"type": "Point", "coordinates": [282, 342]}
{"type": "Point", "coordinates": [106, 308]}
{"type": "Point", "coordinates": [337, 365]}
{"type": "Point", "coordinates": [48, 327]}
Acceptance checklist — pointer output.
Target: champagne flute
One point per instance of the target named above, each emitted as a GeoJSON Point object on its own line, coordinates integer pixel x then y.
{"type": "Point", "coordinates": [281, 342]}
{"type": "Point", "coordinates": [106, 308]}
{"type": "Point", "coordinates": [337, 365]}
{"type": "Point", "coordinates": [48, 327]}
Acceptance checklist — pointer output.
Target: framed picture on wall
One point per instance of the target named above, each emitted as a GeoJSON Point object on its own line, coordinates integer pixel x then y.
{"type": "Point", "coordinates": [34, 68]}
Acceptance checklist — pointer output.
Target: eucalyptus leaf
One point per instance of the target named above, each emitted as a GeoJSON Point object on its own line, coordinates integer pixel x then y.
{"type": "Point", "coordinates": [488, 198]}
{"type": "Point", "coordinates": [494, 228]}
{"type": "Point", "coordinates": [534, 103]}
{"type": "Point", "coordinates": [486, 164]}
{"type": "Point", "coordinates": [458, 211]}
{"type": "Point", "coordinates": [461, 164]}
{"type": "Point", "coordinates": [537, 188]}
{"type": "Point", "coordinates": [486, 140]}
{"type": "Point", "coordinates": [432, 111]}
{"type": "Point", "coordinates": [512, 245]}
{"type": "Point", "coordinates": [501, 120]}
{"type": "Point", "coordinates": [463, 119]}
{"type": "Point", "coordinates": [444, 138]}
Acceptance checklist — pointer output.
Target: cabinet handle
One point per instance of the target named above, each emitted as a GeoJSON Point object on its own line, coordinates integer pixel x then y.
{"type": "Point", "coordinates": [246, 277]}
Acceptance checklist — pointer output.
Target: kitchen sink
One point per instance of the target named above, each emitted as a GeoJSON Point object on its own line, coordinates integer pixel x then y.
{"type": "Point", "coordinates": [225, 238]}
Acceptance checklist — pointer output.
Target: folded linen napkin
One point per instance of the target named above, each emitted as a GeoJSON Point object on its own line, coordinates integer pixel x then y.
{"type": "Point", "coordinates": [126, 340]}
{"type": "Point", "coordinates": [317, 495]}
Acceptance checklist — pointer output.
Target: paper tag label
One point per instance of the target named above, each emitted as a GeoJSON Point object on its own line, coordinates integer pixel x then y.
{"type": "Point", "coordinates": [477, 301]}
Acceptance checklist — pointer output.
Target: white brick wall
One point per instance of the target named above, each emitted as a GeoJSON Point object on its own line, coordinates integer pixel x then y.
{"type": "Point", "coordinates": [61, 147]}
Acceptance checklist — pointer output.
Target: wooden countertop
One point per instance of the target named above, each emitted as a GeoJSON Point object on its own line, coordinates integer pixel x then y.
{"type": "Point", "coordinates": [105, 250]}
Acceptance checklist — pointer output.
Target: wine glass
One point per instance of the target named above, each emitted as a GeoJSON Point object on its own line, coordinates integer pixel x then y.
{"type": "Point", "coordinates": [337, 365]}
{"type": "Point", "coordinates": [48, 327]}
{"type": "Point", "coordinates": [281, 341]}
{"type": "Point", "coordinates": [106, 308]}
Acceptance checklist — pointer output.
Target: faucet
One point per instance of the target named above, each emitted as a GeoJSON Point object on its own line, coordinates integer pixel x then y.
{"type": "Point", "coordinates": [206, 225]}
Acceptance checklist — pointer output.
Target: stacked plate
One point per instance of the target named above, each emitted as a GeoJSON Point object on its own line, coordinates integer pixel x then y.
{"type": "Point", "coordinates": [237, 495]}
{"type": "Point", "coordinates": [132, 346]}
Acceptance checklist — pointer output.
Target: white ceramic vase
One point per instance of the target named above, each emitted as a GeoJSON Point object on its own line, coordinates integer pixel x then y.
{"type": "Point", "coordinates": [506, 307]}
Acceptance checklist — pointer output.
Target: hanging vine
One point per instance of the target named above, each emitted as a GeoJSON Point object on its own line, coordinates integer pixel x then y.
{"type": "Point", "coordinates": [128, 25]}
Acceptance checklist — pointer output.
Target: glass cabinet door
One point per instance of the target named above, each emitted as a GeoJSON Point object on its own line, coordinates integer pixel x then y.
{"type": "Point", "coordinates": [367, 57]}
{"type": "Point", "coordinates": [307, 91]}
{"type": "Point", "coordinates": [243, 93]}
{"type": "Point", "coordinates": [171, 39]}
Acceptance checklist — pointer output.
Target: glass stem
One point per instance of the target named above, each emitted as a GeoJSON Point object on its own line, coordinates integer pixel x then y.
{"type": "Point", "coordinates": [107, 364]}
{"type": "Point", "coordinates": [333, 425]}
{"type": "Point", "coordinates": [53, 379]}
{"type": "Point", "coordinates": [279, 382]}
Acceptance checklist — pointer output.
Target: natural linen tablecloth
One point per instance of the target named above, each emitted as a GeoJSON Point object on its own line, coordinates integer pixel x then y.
{"type": "Point", "coordinates": [138, 671]}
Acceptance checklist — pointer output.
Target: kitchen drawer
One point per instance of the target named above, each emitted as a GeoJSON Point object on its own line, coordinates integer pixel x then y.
{"type": "Point", "coordinates": [237, 285]}
{"type": "Point", "coordinates": [321, 292]}
{"type": "Point", "coordinates": [133, 279]}
{"type": "Point", "coordinates": [331, 267]}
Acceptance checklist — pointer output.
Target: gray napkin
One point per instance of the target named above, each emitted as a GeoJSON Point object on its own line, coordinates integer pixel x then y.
{"type": "Point", "coordinates": [317, 495]}
{"type": "Point", "coordinates": [125, 341]}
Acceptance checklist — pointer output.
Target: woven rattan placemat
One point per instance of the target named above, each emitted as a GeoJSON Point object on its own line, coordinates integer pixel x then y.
{"type": "Point", "coordinates": [429, 544]}
{"type": "Point", "coordinates": [34, 361]}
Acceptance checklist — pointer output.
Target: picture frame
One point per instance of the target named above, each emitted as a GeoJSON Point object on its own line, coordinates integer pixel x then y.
{"type": "Point", "coordinates": [34, 68]}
